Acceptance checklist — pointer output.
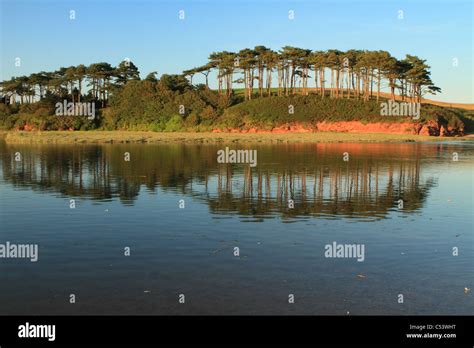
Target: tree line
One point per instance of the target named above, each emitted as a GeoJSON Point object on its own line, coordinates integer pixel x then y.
{"type": "Point", "coordinates": [353, 73]}
{"type": "Point", "coordinates": [101, 78]}
{"type": "Point", "coordinates": [262, 71]}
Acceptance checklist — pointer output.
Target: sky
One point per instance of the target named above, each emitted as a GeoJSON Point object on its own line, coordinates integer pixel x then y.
{"type": "Point", "coordinates": [154, 38]}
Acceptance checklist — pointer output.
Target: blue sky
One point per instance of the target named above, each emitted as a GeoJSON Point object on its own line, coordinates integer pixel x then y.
{"type": "Point", "coordinates": [155, 39]}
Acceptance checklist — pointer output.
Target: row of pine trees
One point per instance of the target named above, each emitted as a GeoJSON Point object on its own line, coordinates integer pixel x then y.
{"type": "Point", "coordinates": [354, 73]}
{"type": "Point", "coordinates": [99, 79]}
{"type": "Point", "coordinates": [261, 71]}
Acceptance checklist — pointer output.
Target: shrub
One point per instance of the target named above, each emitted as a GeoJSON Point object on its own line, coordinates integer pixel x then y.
{"type": "Point", "coordinates": [174, 124]}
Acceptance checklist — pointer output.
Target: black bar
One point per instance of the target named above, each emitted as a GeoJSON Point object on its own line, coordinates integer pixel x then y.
{"type": "Point", "coordinates": [289, 330]}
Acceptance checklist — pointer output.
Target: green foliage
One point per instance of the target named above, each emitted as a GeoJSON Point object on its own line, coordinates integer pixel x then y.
{"type": "Point", "coordinates": [40, 116]}
{"type": "Point", "coordinates": [467, 117]}
{"type": "Point", "coordinates": [148, 105]}
{"type": "Point", "coordinates": [174, 124]}
{"type": "Point", "coordinates": [274, 111]}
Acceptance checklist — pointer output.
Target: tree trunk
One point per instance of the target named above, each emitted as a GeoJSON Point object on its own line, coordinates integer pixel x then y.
{"type": "Point", "coordinates": [323, 82]}
{"type": "Point", "coordinates": [349, 75]}
{"type": "Point", "coordinates": [80, 89]}
{"type": "Point", "coordinates": [269, 81]}
{"type": "Point", "coordinates": [332, 83]}
{"type": "Point", "coordinates": [316, 72]}
{"type": "Point", "coordinates": [378, 85]}
{"type": "Point", "coordinates": [279, 79]}
{"type": "Point", "coordinates": [392, 89]}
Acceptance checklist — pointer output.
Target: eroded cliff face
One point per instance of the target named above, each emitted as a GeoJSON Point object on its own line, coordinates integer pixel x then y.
{"type": "Point", "coordinates": [431, 128]}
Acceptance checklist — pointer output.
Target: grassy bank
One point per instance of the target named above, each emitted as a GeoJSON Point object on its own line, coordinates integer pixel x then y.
{"type": "Point", "coordinates": [148, 106]}
{"type": "Point", "coordinates": [85, 137]}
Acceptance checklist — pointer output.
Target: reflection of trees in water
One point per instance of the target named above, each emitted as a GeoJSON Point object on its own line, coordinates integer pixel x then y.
{"type": "Point", "coordinates": [100, 172]}
{"type": "Point", "coordinates": [360, 187]}
{"type": "Point", "coordinates": [316, 178]}
{"type": "Point", "coordinates": [81, 171]}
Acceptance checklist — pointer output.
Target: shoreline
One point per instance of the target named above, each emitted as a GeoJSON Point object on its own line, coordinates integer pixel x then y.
{"type": "Point", "coordinates": [139, 137]}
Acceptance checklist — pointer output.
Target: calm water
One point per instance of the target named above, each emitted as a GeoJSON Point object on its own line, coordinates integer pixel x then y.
{"type": "Point", "coordinates": [190, 251]}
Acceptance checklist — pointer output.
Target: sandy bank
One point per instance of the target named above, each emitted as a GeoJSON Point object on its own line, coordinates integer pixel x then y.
{"type": "Point", "coordinates": [86, 137]}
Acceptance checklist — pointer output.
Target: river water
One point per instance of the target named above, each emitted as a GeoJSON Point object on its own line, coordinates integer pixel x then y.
{"type": "Point", "coordinates": [130, 237]}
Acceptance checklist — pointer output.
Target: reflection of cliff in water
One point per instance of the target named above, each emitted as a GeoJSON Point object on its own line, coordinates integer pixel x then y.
{"type": "Point", "coordinates": [314, 176]}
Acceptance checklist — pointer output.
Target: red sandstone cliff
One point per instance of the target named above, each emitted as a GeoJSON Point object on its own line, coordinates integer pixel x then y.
{"type": "Point", "coordinates": [431, 128]}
